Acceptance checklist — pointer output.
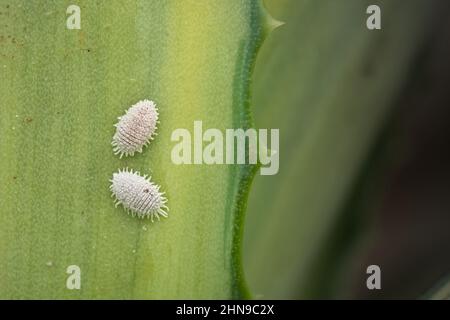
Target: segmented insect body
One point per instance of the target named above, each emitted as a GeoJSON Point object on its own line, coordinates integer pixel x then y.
{"type": "Point", "coordinates": [136, 128]}
{"type": "Point", "coordinates": [138, 195]}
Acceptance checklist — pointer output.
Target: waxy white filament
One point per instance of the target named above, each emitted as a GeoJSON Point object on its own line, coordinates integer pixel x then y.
{"type": "Point", "coordinates": [138, 195]}
{"type": "Point", "coordinates": [136, 128]}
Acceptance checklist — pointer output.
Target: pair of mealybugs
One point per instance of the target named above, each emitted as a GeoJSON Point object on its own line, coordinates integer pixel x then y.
{"type": "Point", "coordinates": [138, 194]}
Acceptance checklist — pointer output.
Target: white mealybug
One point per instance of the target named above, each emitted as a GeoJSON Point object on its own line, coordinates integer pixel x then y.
{"type": "Point", "coordinates": [138, 194]}
{"type": "Point", "coordinates": [135, 128]}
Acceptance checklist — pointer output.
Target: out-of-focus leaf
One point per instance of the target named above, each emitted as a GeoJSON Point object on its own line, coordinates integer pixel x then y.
{"type": "Point", "coordinates": [329, 84]}
{"type": "Point", "coordinates": [441, 292]}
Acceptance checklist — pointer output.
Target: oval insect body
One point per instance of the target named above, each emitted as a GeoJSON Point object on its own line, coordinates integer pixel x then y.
{"type": "Point", "coordinates": [138, 195]}
{"type": "Point", "coordinates": [136, 128]}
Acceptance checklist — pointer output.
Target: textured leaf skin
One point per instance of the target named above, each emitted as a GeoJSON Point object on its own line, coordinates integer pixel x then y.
{"type": "Point", "coordinates": [60, 93]}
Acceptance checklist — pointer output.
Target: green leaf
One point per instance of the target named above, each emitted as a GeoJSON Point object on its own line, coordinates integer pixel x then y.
{"type": "Point", "coordinates": [60, 94]}
{"type": "Point", "coordinates": [440, 292]}
{"type": "Point", "coordinates": [329, 84]}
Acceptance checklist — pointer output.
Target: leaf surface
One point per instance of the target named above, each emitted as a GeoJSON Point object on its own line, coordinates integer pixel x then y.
{"type": "Point", "coordinates": [60, 94]}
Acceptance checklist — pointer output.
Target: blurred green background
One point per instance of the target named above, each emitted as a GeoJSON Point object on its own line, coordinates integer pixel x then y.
{"type": "Point", "coordinates": [364, 134]}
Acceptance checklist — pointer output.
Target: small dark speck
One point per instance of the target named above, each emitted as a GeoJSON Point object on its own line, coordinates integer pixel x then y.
{"type": "Point", "coordinates": [28, 120]}
{"type": "Point", "coordinates": [146, 190]}
{"type": "Point", "coordinates": [7, 6]}
{"type": "Point", "coordinates": [14, 178]}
